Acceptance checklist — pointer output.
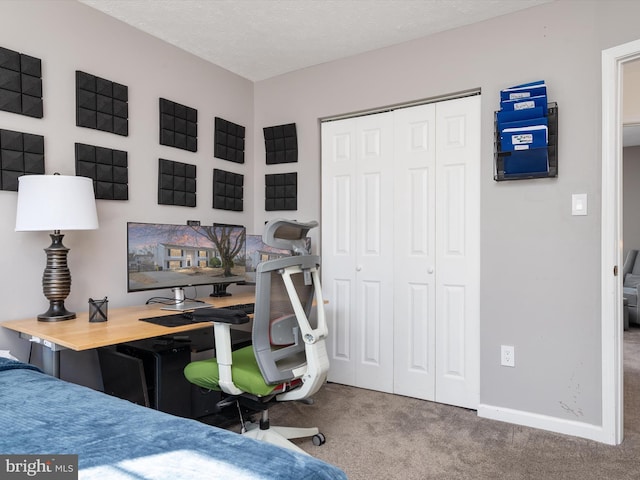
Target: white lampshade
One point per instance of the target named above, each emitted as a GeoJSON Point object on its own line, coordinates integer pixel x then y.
{"type": "Point", "coordinates": [55, 202]}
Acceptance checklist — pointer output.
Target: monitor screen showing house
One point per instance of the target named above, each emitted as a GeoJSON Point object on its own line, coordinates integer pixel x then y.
{"type": "Point", "coordinates": [166, 256]}
{"type": "Point", "coordinates": [258, 252]}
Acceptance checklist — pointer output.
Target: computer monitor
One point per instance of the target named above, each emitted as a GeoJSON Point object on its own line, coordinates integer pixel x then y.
{"type": "Point", "coordinates": [164, 256]}
{"type": "Point", "coordinates": [257, 252]}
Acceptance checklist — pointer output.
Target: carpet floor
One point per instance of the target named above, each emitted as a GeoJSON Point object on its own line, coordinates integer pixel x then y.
{"type": "Point", "coordinates": [373, 435]}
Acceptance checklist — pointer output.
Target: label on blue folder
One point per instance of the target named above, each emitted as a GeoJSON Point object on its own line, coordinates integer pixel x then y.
{"type": "Point", "coordinates": [525, 104]}
{"type": "Point", "coordinates": [519, 141]}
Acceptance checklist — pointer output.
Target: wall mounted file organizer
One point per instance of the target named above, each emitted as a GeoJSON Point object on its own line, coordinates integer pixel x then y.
{"type": "Point", "coordinates": [20, 154]}
{"type": "Point", "coordinates": [228, 190]}
{"type": "Point", "coordinates": [20, 83]}
{"type": "Point", "coordinates": [107, 168]}
{"type": "Point", "coordinates": [228, 141]}
{"type": "Point", "coordinates": [281, 191]}
{"type": "Point", "coordinates": [101, 104]}
{"type": "Point", "coordinates": [526, 134]}
{"type": "Point", "coordinates": [176, 183]}
{"type": "Point", "coordinates": [178, 125]}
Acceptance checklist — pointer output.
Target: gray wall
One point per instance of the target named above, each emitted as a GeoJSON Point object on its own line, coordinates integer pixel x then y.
{"type": "Point", "coordinates": [540, 266]}
{"type": "Point", "coordinates": [69, 36]}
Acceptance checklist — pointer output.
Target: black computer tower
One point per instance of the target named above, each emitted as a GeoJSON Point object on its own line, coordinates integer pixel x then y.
{"type": "Point", "coordinates": [151, 372]}
{"type": "Point", "coordinates": [205, 402]}
{"type": "Point", "coordinates": [164, 362]}
{"type": "Point", "coordinates": [123, 376]}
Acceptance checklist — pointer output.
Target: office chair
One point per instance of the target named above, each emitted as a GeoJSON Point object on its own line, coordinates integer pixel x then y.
{"type": "Point", "coordinates": [288, 358]}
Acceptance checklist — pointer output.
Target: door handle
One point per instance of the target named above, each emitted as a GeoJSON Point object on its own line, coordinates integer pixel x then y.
{"type": "Point", "coordinates": [430, 270]}
{"type": "Point", "coordinates": [358, 268]}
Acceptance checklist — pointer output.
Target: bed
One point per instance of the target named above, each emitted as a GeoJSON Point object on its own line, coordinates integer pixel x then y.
{"type": "Point", "coordinates": [116, 439]}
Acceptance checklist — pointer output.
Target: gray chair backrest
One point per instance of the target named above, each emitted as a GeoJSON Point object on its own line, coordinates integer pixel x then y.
{"type": "Point", "coordinates": [277, 342]}
{"type": "Point", "coordinates": [288, 234]}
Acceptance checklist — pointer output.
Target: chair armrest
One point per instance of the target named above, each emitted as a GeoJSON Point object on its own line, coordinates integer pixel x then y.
{"type": "Point", "coordinates": [222, 319]}
{"type": "Point", "coordinates": [221, 315]}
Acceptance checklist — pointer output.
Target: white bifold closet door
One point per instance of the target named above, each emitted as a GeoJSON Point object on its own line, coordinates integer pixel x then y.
{"type": "Point", "coordinates": [400, 247]}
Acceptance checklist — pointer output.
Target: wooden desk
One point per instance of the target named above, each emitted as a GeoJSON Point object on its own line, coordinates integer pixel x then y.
{"type": "Point", "coordinates": [123, 325]}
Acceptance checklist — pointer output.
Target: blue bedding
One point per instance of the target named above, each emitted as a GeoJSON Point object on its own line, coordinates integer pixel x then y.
{"type": "Point", "coordinates": [113, 438]}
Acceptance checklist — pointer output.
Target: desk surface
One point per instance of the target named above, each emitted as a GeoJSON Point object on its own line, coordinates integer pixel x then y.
{"type": "Point", "coordinates": [123, 325]}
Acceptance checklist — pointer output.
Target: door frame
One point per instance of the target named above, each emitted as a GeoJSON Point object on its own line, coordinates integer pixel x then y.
{"type": "Point", "coordinates": [613, 60]}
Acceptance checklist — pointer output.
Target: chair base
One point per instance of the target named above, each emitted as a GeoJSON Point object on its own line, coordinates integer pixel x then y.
{"type": "Point", "coordinates": [280, 435]}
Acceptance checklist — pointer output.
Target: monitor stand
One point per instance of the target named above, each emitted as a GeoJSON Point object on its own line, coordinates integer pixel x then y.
{"type": "Point", "coordinates": [181, 304]}
{"type": "Point", "coordinates": [220, 290]}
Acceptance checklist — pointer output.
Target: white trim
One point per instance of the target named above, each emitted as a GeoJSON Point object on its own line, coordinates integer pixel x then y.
{"type": "Point", "coordinates": [397, 106]}
{"type": "Point", "coordinates": [611, 239]}
{"type": "Point", "coordinates": [543, 422]}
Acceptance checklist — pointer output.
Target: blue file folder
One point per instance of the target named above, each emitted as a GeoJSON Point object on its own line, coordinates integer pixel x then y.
{"type": "Point", "coordinates": [524, 138]}
{"type": "Point", "coordinates": [528, 122]}
{"type": "Point", "coordinates": [526, 90]}
{"type": "Point", "coordinates": [525, 103]}
{"type": "Point", "coordinates": [507, 116]}
{"type": "Point", "coordinates": [533, 161]}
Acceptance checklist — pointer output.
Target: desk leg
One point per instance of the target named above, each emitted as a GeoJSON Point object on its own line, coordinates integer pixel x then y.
{"type": "Point", "coordinates": [51, 361]}
{"type": "Point", "coordinates": [50, 354]}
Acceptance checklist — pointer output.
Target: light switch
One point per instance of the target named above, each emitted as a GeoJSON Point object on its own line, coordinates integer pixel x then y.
{"type": "Point", "coordinates": [579, 204]}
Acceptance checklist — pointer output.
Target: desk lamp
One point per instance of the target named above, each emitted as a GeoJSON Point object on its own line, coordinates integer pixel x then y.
{"type": "Point", "coordinates": [56, 202]}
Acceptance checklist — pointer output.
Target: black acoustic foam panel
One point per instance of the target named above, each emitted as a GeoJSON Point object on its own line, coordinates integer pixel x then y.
{"type": "Point", "coordinates": [281, 191]}
{"type": "Point", "coordinates": [229, 141]}
{"type": "Point", "coordinates": [20, 154]}
{"type": "Point", "coordinates": [228, 190]}
{"type": "Point", "coordinates": [281, 144]}
{"type": "Point", "coordinates": [176, 183]}
{"type": "Point", "coordinates": [178, 126]}
{"type": "Point", "coordinates": [20, 83]}
{"type": "Point", "coordinates": [101, 104]}
{"type": "Point", "coordinates": [107, 168]}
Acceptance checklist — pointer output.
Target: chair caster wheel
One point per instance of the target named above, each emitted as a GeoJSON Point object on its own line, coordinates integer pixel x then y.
{"type": "Point", "coordinates": [318, 439]}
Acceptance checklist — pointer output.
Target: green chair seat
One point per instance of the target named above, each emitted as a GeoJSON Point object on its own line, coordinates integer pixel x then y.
{"type": "Point", "coordinates": [245, 373]}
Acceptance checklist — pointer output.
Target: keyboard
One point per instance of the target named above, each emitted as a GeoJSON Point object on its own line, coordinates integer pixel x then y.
{"type": "Point", "coordinates": [248, 308]}
{"type": "Point", "coordinates": [187, 318]}
{"type": "Point", "coordinates": [173, 320]}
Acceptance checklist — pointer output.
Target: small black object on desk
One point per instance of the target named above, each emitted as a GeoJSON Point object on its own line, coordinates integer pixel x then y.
{"type": "Point", "coordinates": [98, 310]}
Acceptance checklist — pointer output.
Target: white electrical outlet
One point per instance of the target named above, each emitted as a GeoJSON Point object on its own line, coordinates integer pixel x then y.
{"type": "Point", "coordinates": [507, 356]}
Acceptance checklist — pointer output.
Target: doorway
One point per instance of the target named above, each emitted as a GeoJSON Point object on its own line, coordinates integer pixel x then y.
{"type": "Point", "coordinates": [613, 60]}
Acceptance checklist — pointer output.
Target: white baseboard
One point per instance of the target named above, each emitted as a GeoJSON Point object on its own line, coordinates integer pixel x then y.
{"type": "Point", "coordinates": [544, 422]}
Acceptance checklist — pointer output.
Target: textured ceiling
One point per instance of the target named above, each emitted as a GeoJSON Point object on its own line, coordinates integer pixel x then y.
{"type": "Point", "coordinates": [259, 39]}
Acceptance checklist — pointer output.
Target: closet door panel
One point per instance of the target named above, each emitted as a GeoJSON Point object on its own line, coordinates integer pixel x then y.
{"type": "Point", "coordinates": [374, 251]}
{"type": "Point", "coordinates": [414, 225]}
{"type": "Point", "coordinates": [339, 179]}
{"type": "Point", "coordinates": [458, 252]}
{"type": "Point", "coordinates": [357, 244]}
